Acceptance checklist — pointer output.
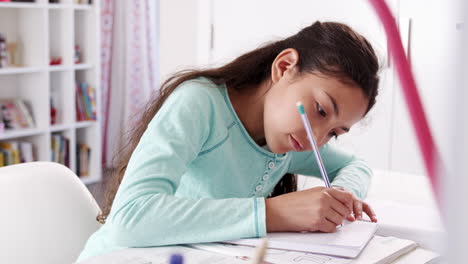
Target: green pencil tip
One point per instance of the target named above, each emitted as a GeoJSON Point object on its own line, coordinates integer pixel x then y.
{"type": "Point", "coordinates": [300, 107]}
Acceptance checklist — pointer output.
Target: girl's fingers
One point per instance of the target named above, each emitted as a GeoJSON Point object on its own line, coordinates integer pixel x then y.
{"type": "Point", "coordinates": [327, 226]}
{"type": "Point", "coordinates": [369, 211]}
{"type": "Point", "coordinates": [334, 217]}
{"type": "Point", "coordinates": [344, 197]}
{"type": "Point", "coordinates": [358, 209]}
{"type": "Point", "coordinates": [350, 216]}
{"type": "Point", "coordinates": [339, 207]}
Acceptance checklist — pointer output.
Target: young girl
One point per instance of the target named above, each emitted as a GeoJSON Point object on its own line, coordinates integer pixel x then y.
{"type": "Point", "coordinates": [216, 142]}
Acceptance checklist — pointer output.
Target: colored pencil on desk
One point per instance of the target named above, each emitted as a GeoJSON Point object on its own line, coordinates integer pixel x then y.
{"type": "Point", "coordinates": [260, 252]}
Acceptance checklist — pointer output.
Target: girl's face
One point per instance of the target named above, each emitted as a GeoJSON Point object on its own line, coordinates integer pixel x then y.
{"type": "Point", "coordinates": [332, 107]}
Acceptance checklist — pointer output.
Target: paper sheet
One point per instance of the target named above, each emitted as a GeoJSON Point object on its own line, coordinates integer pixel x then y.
{"type": "Point", "coordinates": [161, 255]}
{"type": "Point", "coordinates": [379, 250]}
{"type": "Point", "coordinates": [347, 241]}
{"type": "Point", "coordinates": [272, 255]}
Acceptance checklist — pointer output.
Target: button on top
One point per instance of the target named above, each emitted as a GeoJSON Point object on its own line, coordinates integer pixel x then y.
{"type": "Point", "coordinates": [271, 165]}
{"type": "Point", "coordinates": [258, 188]}
{"type": "Point", "coordinates": [265, 177]}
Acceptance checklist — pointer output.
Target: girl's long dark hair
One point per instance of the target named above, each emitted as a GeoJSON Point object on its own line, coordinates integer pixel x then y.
{"type": "Point", "coordinates": [330, 48]}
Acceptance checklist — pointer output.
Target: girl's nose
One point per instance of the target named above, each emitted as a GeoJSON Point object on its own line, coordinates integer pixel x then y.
{"type": "Point", "coordinates": [321, 137]}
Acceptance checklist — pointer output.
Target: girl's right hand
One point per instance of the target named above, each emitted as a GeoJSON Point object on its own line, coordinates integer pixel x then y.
{"type": "Point", "coordinates": [315, 209]}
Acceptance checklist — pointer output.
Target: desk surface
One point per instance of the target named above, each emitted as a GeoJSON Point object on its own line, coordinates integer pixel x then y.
{"type": "Point", "coordinates": [403, 202]}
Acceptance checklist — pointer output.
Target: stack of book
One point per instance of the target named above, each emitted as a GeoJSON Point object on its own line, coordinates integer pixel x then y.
{"type": "Point", "coordinates": [15, 114]}
{"type": "Point", "coordinates": [14, 152]}
{"type": "Point", "coordinates": [60, 149]}
{"type": "Point", "coordinates": [83, 153]}
{"type": "Point", "coordinates": [85, 102]}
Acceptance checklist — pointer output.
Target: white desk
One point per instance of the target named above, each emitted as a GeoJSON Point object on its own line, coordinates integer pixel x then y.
{"type": "Point", "coordinates": [403, 203]}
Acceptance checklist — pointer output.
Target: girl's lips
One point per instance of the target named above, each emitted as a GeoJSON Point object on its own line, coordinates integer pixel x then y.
{"type": "Point", "coordinates": [295, 144]}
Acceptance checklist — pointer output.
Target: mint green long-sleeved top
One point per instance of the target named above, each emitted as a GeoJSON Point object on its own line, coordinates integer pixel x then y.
{"type": "Point", "coordinates": [197, 176]}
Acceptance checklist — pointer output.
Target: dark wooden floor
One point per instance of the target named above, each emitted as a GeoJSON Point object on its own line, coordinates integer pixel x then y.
{"type": "Point", "coordinates": [98, 189]}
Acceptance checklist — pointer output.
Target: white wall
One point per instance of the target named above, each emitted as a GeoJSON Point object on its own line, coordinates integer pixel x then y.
{"type": "Point", "coordinates": [267, 20]}
{"type": "Point", "coordinates": [178, 35]}
{"type": "Point", "coordinates": [433, 54]}
{"type": "Point", "coordinates": [385, 138]}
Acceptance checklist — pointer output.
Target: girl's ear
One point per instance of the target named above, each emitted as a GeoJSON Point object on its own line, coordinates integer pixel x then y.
{"type": "Point", "coordinates": [284, 64]}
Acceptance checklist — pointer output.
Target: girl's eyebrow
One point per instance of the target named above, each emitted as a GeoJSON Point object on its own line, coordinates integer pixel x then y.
{"type": "Point", "coordinates": [336, 109]}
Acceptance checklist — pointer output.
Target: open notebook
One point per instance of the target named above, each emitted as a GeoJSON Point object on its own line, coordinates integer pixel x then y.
{"type": "Point", "coordinates": [379, 250]}
{"type": "Point", "coordinates": [348, 241]}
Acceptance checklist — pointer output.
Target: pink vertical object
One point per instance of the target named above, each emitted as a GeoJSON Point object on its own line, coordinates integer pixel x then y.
{"type": "Point", "coordinates": [413, 101]}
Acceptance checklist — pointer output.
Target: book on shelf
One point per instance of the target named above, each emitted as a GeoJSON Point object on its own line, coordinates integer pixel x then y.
{"type": "Point", "coordinates": [85, 102]}
{"type": "Point", "coordinates": [60, 149]}
{"type": "Point", "coordinates": [92, 99]}
{"type": "Point", "coordinates": [26, 151]}
{"type": "Point", "coordinates": [3, 51]}
{"type": "Point", "coordinates": [14, 152]}
{"type": "Point", "coordinates": [83, 153]}
{"type": "Point", "coordinates": [53, 107]}
{"type": "Point", "coordinates": [84, 2]}
{"type": "Point", "coordinates": [78, 104]}
{"type": "Point", "coordinates": [15, 114]}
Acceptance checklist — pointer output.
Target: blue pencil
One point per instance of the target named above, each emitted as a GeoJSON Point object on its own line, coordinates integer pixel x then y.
{"type": "Point", "coordinates": [176, 259]}
{"type": "Point", "coordinates": [310, 135]}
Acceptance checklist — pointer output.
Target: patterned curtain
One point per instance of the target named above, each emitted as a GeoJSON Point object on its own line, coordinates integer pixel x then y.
{"type": "Point", "coordinates": [129, 69]}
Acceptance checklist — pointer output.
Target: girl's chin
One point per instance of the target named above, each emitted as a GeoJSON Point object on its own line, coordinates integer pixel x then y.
{"type": "Point", "coordinates": [278, 149]}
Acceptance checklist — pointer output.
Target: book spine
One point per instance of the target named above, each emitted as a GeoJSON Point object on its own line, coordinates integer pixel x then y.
{"type": "Point", "coordinates": [12, 152]}
{"type": "Point", "coordinates": [7, 117]}
{"type": "Point", "coordinates": [27, 151]}
{"type": "Point", "coordinates": [79, 103]}
{"type": "Point", "coordinates": [16, 152]}
{"type": "Point", "coordinates": [89, 112]}
{"type": "Point", "coordinates": [92, 98]}
{"type": "Point", "coordinates": [17, 122]}
{"type": "Point", "coordinates": [25, 112]}
{"type": "Point", "coordinates": [52, 147]}
{"type": "Point", "coordinates": [83, 158]}
{"type": "Point", "coordinates": [62, 150]}
{"type": "Point", "coordinates": [78, 160]}
{"type": "Point", "coordinates": [67, 152]}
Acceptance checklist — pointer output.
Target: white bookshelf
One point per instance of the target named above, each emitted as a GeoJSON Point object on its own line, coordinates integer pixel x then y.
{"type": "Point", "coordinates": [44, 30]}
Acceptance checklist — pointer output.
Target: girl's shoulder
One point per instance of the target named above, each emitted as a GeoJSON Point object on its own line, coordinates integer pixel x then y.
{"type": "Point", "coordinates": [199, 89]}
{"type": "Point", "coordinates": [203, 101]}
{"type": "Point", "coordinates": [203, 97]}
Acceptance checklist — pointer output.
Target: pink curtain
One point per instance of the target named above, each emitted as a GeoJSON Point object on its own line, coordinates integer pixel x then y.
{"type": "Point", "coordinates": [128, 67]}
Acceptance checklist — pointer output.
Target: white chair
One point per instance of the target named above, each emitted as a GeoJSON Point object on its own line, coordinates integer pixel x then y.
{"type": "Point", "coordinates": [46, 214]}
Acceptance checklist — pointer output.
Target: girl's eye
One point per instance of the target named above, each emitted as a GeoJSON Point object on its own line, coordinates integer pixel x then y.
{"type": "Point", "coordinates": [320, 110]}
{"type": "Point", "coordinates": [333, 134]}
